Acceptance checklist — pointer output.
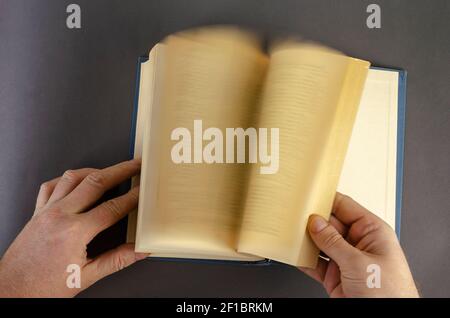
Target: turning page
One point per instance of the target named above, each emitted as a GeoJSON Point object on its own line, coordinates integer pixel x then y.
{"type": "Point", "coordinates": [311, 94]}
{"type": "Point", "coordinates": [191, 206]}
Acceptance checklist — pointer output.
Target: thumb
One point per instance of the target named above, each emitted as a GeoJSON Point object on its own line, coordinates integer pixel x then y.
{"type": "Point", "coordinates": [111, 262]}
{"type": "Point", "coordinates": [329, 241]}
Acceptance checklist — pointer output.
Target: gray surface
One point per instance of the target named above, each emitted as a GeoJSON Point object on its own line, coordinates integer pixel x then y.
{"type": "Point", "coordinates": [65, 102]}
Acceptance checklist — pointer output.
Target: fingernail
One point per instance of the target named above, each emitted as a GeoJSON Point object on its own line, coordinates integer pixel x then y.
{"type": "Point", "coordinates": [317, 224]}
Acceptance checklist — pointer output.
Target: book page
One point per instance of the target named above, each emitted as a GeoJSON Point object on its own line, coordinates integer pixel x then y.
{"type": "Point", "coordinates": [311, 94]}
{"type": "Point", "coordinates": [145, 102]}
{"type": "Point", "coordinates": [195, 208]}
{"type": "Point", "coordinates": [369, 172]}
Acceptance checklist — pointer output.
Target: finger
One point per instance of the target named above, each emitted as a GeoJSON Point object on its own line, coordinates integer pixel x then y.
{"type": "Point", "coordinates": [329, 241]}
{"type": "Point", "coordinates": [91, 189]}
{"type": "Point", "coordinates": [338, 225]}
{"type": "Point", "coordinates": [347, 210]}
{"type": "Point", "coordinates": [111, 262]}
{"type": "Point", "coordinates": [45, 191]}
{"type": "Point", "coordinates": [110, 212]}
{"type": "Point", "coordinates": [361, 228]}
{"type": "Point", "coordinates": [337, 292]}
{"type": "Point", "coordinates": [68, 181]}
{"type": "Point", "coordinates": [372, 235]}
{"type": "Point", "coordinates": [332, 277]}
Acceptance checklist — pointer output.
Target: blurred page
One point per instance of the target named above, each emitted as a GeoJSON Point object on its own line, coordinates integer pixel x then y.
{"type": "Point", "coordinates": [212, 75]}
{"type": "Point", "coordinates": [311, 94]}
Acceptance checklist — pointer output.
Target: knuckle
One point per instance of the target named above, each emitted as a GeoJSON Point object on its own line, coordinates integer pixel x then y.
{"type": "Point", "coordinates": [365, 226]}
{"type": "Point", "coordinates": [113, 207]}
{"type": "Point", "coordinates": [340, 199]}
{"type": "Point", "coordinates": [96, 179]}
{"type": "Point", "coordinates": [119, 262]}
{"type": "Point", "coordinates": [43, 218]}
{"type": "Point", "coordinates": [45, 186]}
{"type": "Point", "coordinates": [52, 218]}
{"type": "Point", "coordinates": [134, 194]}
{"type": "Point", "coordinates": [74, 228]}
{"type": "Point", "coordinates": [52, 212]}
{"type": "Point", "coordinates": [69, 176]}
{"type": "Point", "coordinates": [332, 239]}
{"type": "Point", "coordinates": [368, 226]}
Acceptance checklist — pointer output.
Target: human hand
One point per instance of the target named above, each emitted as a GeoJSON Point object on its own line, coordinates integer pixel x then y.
{"type": "Point", "coordinates": [57, 235]}
{"type": "Point", "coordinates": [368, 240]}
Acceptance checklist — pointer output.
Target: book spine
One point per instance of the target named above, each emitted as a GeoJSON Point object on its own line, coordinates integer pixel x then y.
{"type": "Point", "coordinates": [401, 120]}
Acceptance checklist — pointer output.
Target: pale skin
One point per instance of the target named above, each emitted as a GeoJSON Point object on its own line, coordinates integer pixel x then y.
{"type": "Point", "coordinates": [353, 239]}
{"type": "Point", "coordinates": [65, 221]}
{"type": "Point", "coordinates": [60, 229]}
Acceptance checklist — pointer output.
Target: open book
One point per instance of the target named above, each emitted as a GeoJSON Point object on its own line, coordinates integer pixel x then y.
{"type": "Point", "coordinates": [210, 189]}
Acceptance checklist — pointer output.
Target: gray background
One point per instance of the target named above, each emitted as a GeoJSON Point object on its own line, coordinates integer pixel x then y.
{"type": "Point", "coordinates": [66, 98]}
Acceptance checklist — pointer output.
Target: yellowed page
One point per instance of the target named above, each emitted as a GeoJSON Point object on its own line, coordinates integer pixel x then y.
{"type": "Point", "coordinates": [311, 95]}
{"type": "Point", "coordinates": [195, 209]}
{"type": "Point", "coordinates": [369, 172]}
